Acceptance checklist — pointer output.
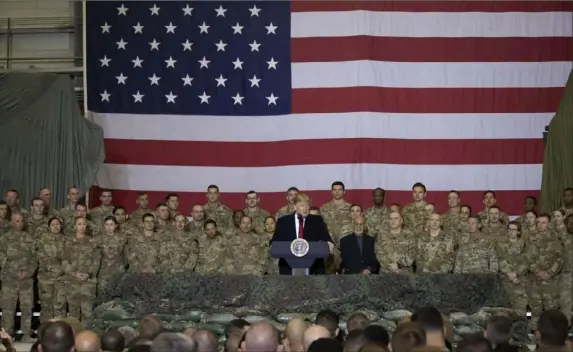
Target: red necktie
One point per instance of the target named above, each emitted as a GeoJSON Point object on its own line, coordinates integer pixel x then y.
{"type": "Point", "coordinates": [300, 227]}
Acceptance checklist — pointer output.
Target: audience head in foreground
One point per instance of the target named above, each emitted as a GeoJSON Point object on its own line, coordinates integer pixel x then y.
{"type": "Point", "coordinates": [293, 335]}
{"type": "Point", "coordinates": [552, 328]}
{"type": "Point", "coordinates": [314, 333]}
{"type": "Point", "coordinates": [408, 336]}
{"type": "Point", "coordinates": [173, 342]}
{"type": "Point", "coordinates": [431, 320]}
{"type": "Point", "coordinates": [261, 337]}
{"type": "Point", "coordinates": [325, 344]}
{"type": "Point", "coordinates": [87, 341]}
{"type": "Point", "coordinates": [56, 336]}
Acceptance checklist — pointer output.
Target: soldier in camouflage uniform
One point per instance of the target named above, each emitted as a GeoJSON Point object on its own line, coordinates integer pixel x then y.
{"type": "Point", "coordinates": [111, 244]}
{"type": "Point", "coordinates": [529, 204]}
{"type": "Point", "coordinates": [314, 211]}
{"type": "Point", "coordinates": [81, 212]}
{"type": "Point", "coordinates": [568, 201]}
{"type": "Point", "coordinates": [37, 217]}
{"type": "Point", "coordinates": [348, 223]}
{"type": "Point", "coordinates": [529, 225]}
{"type": "Point", "coordinates": [248, 251]}
{"type": "Point", "coordinates": [5, 216]}
{"type": "Point", "coordinates": [196, 225]}
{"type": "Point", "coordinates": [395, 207]}
{"type": "Point", "coordinates": [289, 208]}
{"type": "Point", "coordinates": [513, 266]}
{"type": "Point", "coordinates": [451, 218]}
{"type": "Point", "coordinates": [489, 200]}
{"type": "Point", "coordinates": [377, 215]}
{"type": "Point", "coordinates": [414, 214]}
{"type": "Point", "coordinates": [395, 247]}
{"type": "Point", "coordinates": [178, 250]}
{"type": "Point", "coordinates": [162, 222]}
{"type": "Point", "coordinates": [99, 213]}
{"type": "Point", "coordinates": [336, 211]}
{"type": "Point", "coordinates": [214, 210]}
{"type": "Point", "coordinates": [477, 255]}
{"type": "Point", "coordinates": [494, 228]}
{"type": "Point", "coordinates": [564, 229]}
{"type": "Point", "coordinates": [429, 209]}
{"type": "Point", "coordinates": [46, 196]}
{"type": "Point", "coordinates": [69, 211]}
{"type": "Point", "coordinates": [125, 226]}
{"type": "Point", "coordinates": [435, 251]}
{"type": "Point", "coordinates": [566, 277]}
{"type": "Point", "coordinates": [143, 248]}
{"type": "Point", "coordinates": [255, 212]}
{"type": "Point", "coordinates": [270, 227]}
{"type": "Point", "coordinates": [81, 262]}
{"type": "Point", "coordinates": [12, 198]}
{"type": "Point", "coordinates": [213, 253]}
{"type": "Point", "coordinates": [51, 287]}
{"type": "Point", "coordinates": [19, 262]}
{"type": "Point", "coordinates": [544, 253]}
{"type": "Point", "coordinates": [237, 216]}
{"type": "Point", "coordinates": [172, 201]}
{"type": "Point", "coordinates": [142, 208]}
{"type": "Point", "coordinates": [460, 233]}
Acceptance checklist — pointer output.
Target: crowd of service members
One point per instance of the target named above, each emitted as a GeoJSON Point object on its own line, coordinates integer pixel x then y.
{"type": "Point", "coordinates": [73, 252]}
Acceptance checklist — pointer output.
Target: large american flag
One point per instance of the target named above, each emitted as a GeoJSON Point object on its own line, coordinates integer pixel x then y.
{"type": "Point", "coordinates": [267, 95]}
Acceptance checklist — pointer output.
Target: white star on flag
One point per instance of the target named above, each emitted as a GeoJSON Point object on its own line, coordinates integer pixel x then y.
{"type": "Point", "coordinates": [204, 98]}
{"type": "Point", "coordinates": [187, 80]}
{"type": "Point", "coordinates": [220, 11]}
{"type": "Point", "coordinates": [154, 45]}
{"type": "Point", "coordinates": [122, 10]}
{"type": "Point", "coordinates": [121, 79]}
{"type": "Point", "coordinates": [238, 99]}
{"type": "Point", "coordinates": [154, 80]}
{"type": "Point", "coordinates": [220, 46]}
{"type": "Point", "coordinates": [121, 44]}
{"type": "Point", "coordinates": [138, 28]}
{"type": "Point", "coordinates": [137, 97]}
{"type": "Point", "coordinates": [105, 28]}
{"type": "Point", "coordinates": [105, 96]}
{"type": "Point", "coordinates": [187, 10]}
{"type": "Point", "coordinates": [255, 46]}
{"type": "Point", "coordinates": [271, 29]}
{"type": "Point", "coordinates": [170, 28]}
{"type": "Point", "coordinates": [137, 62]}
{"type": "Point", "coordinates": [171, 97]}
{"type": "Point", "coordinates": [255, 11]}
{"type": "Point", "coordinates": [187, 45]}
{"type": "Point", "coordinates": [238, 64]}
{"type": "Point", "coordinates": [105, 61]}
{"type": "Point", "coordinates": [254, 81]}
{"type": "Point", "coordinates": [272, 63]}
{"type": "Point", "coordinates": [221, 81]}
{"type": "Point", "coordinates": [154, 10]}
{"type": "Point", "coordinates": [204, 28]}
{"type": "Point", "coordinates": [272, 99]}
{"type": "Point", "coordinates": [170, 62]}
{"type": "Point", "coordinates": [204, 63]}
{"type": "Point", "coordinates": [237, 29]}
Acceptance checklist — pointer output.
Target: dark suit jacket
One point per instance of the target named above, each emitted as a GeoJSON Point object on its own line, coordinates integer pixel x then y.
{"type": "Point", "coordinates": [354, 262]}
{"type": "Point", "coordinates": [314, 230]}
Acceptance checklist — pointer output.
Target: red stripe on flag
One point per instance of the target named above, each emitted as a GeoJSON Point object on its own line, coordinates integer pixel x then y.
{"type": "Point", "coordinates": [325, 151]}
{"type": "Point", "coordinates": [510, 202]}
{"type": "Point", "coordinates": [426, 100]}
{"type": "Point", "coordinates": [432, 49]}
{"type": "Point", "coordinates": [433, 6]}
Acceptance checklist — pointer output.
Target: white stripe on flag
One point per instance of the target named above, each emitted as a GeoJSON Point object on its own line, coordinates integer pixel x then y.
{"type": "Point", "coordinates": [336, 125]}
{"type": "Point", "coordinates": [430, 74]}
{"type": "Point", "coordinates": [431, 24]}
{"type": "Point", "coordinates": [318, 177]}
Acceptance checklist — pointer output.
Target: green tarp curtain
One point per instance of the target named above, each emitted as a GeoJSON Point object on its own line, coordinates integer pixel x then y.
{"type": "Point", "coordinates": [558, 161]}
{"type": "Point", "coordinates": [44, 139]}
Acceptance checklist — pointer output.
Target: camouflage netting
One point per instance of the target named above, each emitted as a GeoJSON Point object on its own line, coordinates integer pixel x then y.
{"type": "Point", "coordinates": [189, 300]}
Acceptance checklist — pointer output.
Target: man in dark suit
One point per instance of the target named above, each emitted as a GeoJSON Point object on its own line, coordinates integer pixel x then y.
{"type": "Point", "coordinates": [313, 230]}
{"type": "Point", "coordinates": [358, 251]}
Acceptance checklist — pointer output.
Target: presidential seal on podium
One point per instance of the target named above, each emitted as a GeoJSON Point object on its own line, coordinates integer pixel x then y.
{"type": "Point", "coordinates": [299, 247]}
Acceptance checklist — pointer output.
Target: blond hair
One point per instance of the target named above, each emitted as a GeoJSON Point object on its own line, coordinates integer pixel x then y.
{"type": "Point", "coordinates": [302, 198]}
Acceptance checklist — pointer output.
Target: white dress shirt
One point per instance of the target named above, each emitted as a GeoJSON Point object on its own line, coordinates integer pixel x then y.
{"type": "Point", "coordinates": [297, 226]}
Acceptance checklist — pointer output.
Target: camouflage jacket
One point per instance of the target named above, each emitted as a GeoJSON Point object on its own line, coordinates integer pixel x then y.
{"type": "Point", "coordinates": [544, 253]}
{"type": "Point", "coordinates": [414, 216]}
{"type": "Point", "coordinates": [259, 215]}
{"type": "Point", "coordinates": [213, 255]}
{"type": "Point", "coordinates": [18, 255]}
{"type": "Point", "coordinates": [334, 217]}
{"type": "Point", "coordinates": [451, 219]}
{"type": "Point", "coordinates": [81, 256]}
{"type": "Point", "coordinates": [567, 241]}
{"type": "Point", "coordinates": [221, 214]}
{"type": "Point", "coordinates": [286, 210]}
{"type": "Point", "coordinates": [376, 219]}
{"type": "Point", "coordinates": [33, 226]}
{"type": "Point", "coordinates": [249, 253]}
{"type": "Point", "coordinates": [435, 254]}
{"type": "Point", "coordinates": [178, 252]}
{"type": "Point", "coordinates": [97, 214]}
{"type": "Point", "coordinates": [113, 258]}
{"type": "Point", "coordinates": [392, 248]}
{"type": "Point", "coordinates": [50, 251]}
{"type": "Point", "coordinates": [511, 257]}
{"type": "Point", "coordinates": [477, 255]}
{"type": "Point", "coordinates": [483, 217]}
{"type": "Point", "coordinates": [143, 251]}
